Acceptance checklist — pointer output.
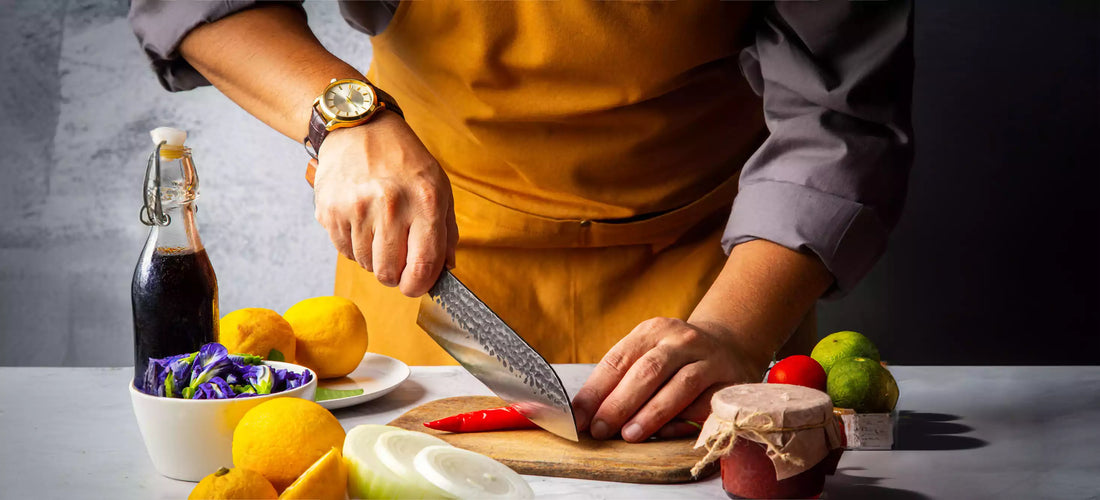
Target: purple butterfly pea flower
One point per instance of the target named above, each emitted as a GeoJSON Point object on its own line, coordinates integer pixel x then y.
{"type": "Point", "coordinates": [178, 376]}
{"type": "Point", "coordinates": [152, 381]}
{"type": "Point", "coordinates": [279, 378]}
{"type": "Point", "coordinates": [297, 379]}
{"type": "Point", "coordinates": [241, 359]}
{"type": "Point", "coordinates": [261, 378]}
{"type": "Point", "coordinates": [247, 394]}
{"type": "Point", "coordinates": [221, 388]}
{"type": "Point", "coordinates": [204, 391]}
{"type": "Point", "coordinates": [212, 361]}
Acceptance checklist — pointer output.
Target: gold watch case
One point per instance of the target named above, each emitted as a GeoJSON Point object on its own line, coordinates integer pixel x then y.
{"type": "Point", "coordinates": [347, 102]}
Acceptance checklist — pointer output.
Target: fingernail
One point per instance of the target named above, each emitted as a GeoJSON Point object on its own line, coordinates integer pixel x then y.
{"type": "Point", "coordinates": [632, 432]}
{"type": "Point", "coordinates": [600, 429]}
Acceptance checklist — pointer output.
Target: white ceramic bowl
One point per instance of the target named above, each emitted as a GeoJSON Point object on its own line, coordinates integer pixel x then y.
{"type": "Point", "coordinates": [190, 438]}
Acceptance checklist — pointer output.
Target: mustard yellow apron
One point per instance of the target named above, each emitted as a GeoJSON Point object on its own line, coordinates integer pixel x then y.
{"type": "Point", "coordinates": [593, 149]}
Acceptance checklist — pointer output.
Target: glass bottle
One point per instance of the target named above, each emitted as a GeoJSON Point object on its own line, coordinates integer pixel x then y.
{"type": "Point", "coordinates": [174, 290]}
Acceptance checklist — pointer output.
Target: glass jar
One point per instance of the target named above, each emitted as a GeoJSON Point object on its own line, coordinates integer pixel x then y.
{"type": "Point", "coordinates": [772, 440]}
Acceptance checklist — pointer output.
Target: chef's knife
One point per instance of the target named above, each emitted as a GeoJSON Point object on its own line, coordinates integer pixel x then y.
{"type": "Point", "coordinates": [490, 350]}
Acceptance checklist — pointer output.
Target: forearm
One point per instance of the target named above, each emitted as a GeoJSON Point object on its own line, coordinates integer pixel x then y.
{"type": "Point", "coordinates": [267, 61]}
{"type": "Point", "coordinates": [761, 296]}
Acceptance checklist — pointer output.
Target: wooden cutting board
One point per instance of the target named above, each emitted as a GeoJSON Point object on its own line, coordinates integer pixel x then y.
{"type": "Point", "coordinates": [540, 453]}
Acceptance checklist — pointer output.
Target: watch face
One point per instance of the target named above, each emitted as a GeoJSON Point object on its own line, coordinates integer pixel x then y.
{"type": "Point", "coordinates": [348, 99]}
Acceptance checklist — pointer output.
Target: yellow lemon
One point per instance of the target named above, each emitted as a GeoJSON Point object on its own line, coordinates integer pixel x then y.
{"type": "Point", "coordinates": [258, 331]}
{"type": "Point", "coordinates": [227, 484]}
{"type": "Point", "coordinates": [331, 333]}
{"type": "Point", "coordinates": [281, 438]}
{"type": "Point", "coordinates": [326, 479]}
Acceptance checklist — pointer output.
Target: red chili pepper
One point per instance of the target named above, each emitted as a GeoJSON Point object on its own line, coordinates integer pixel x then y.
{"type": "Point", "coordinates": [494, 419]}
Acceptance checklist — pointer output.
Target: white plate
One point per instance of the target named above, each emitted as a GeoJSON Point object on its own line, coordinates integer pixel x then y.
{"type": "Point", "coordinates": [377, 375]}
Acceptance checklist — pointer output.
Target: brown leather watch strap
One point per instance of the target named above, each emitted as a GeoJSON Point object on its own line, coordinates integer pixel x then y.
{"type": "Point", "coordinates": [317, 133]}
{"type": "Point", "coordinates": [388, 100]}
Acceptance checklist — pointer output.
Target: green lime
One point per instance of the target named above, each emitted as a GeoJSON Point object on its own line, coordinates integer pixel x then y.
{"type": "Point", "coordinates": [843, 345]}
{"type": "Point", "coordinates": [863, 385]}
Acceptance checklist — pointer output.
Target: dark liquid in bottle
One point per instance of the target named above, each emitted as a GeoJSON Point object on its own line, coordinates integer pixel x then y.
{"type": "Point", "coordinates": [175, 299]}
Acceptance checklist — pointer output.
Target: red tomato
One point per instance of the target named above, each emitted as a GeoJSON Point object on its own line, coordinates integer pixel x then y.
{"type": "Point", "coordinates": [798, 370]}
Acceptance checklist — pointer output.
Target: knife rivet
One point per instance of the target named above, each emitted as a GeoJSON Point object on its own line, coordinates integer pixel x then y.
{"type": "Point", "coordinates": [586, 223]}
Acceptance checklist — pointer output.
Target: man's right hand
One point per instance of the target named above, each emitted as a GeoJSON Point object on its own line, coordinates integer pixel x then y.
{"type": "Point", "coordinates": [386, 203]}
{"type": "Point", "coordinates": [384, 200]}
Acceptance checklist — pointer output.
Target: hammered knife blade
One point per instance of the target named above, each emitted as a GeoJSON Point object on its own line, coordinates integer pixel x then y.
{"type": "Point", "coordinates": [490, 350]}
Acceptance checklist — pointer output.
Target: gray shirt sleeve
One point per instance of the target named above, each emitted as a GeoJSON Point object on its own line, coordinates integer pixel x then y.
{"type": "Point", "coordinates": [160, 26]}
{"type": "Point", "coordinates": [836, 80]}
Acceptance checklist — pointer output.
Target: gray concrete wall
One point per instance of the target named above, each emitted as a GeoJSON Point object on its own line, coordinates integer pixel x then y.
{"type": "Point", "coordinates": [78, 102]}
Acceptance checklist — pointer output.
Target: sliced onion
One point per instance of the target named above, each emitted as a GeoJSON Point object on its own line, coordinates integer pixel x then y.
{"type": "Point", "coordinates": [396, 450]}
{"type": "Point", "coordinates": [369, 477]}
{"type": "Point", "coordinates": [469, 475]}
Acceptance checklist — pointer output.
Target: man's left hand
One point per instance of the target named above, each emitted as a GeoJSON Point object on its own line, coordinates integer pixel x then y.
{"type": "Point", "coordinates": [660, 377]}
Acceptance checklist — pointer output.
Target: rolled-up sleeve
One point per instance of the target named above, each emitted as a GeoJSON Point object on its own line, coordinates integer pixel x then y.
{"type": "Point", "coordinates": [160, 26]}
{"type": "Point", "coordinates": [836, 81]}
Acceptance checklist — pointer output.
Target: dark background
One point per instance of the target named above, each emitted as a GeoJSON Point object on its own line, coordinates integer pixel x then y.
{"type": "Point", "coordinates": [997, 257]}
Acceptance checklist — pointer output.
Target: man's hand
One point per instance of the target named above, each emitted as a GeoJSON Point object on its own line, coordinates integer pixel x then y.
{"type": "Point", "coordinates": [663, 370]}
{"type": "Point", "coordinates": [383, 199]}
{"type": "Point", "coordinates": [386, 203]}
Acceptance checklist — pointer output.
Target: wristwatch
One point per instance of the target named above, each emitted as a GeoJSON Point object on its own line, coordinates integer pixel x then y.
{"type": "Point", "coordinates": [344, 103]}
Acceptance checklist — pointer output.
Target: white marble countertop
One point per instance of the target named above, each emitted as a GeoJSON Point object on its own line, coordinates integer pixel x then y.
{"type": "Point", "coordinates": [965, 432]}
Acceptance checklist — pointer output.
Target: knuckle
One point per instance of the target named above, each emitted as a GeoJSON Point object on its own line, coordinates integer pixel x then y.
{"type": "Point", "coordinates": [430, 244]}
{"type": "Point", "coordinates": [689, 335]}
{"type": "Point", "coordinates": [692, 379]}
{"type": "Point", "coordinates": [588, 395]}
{"type": "Point", "coordinates": [650, 323]}
{"type": "Point", "coordinates": [407, 289]}
{"type": "Point", "coordinates": [615, 362]}
{"type": "Point", "coordinates": [391, 200]}
{"type": "Point", "coordinates": [385, 278]}
{"type": "Point", "coordinates": [614, 410]}
{"type": "Point", "coordinates": [664, 322]}
{"type": "Point", "coordinates": [659, 323]}
{"type": "Point", "coordinates": [420, 270]}
{"type": "Point", "coordinates": [649, 367]}
{"type": "Point", "coordinates": [386, 274]}
{"type": "Point", "coordinates": [360, 207]}
{"type": "Point", "coordinates": [426, 195]}
{"type": "Point", "coordinates": [657, 415]}
{"type": "Point", "coordinates": [415, 284]}
{"type": "Point", "coordinates": [324, 215]}
{"type": "Point", "coordinates": [362, 255]}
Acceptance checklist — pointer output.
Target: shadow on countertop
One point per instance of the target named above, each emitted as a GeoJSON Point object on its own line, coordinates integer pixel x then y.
{"type": "Point", "coordinates": [933, 431]}
{"type": "Point", "coordinates": [848, 487]}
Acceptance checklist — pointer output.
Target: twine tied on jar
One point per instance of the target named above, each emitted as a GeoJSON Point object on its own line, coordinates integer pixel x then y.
{"type": "Point", "coordinates": [721, 442]}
